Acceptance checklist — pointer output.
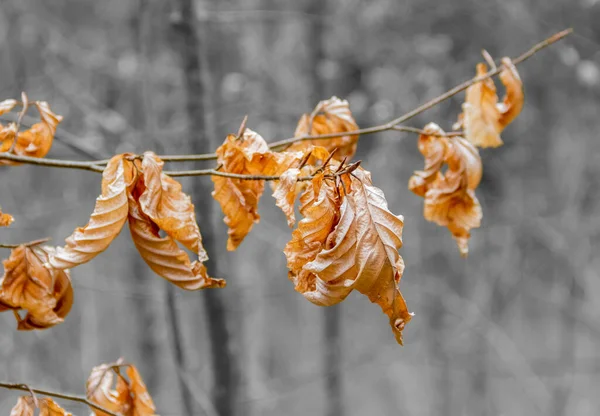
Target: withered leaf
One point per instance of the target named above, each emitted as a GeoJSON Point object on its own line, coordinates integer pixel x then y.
{"type": "Point", "coordinates": [49, 407]}
{"type": "Point", "coordinates": [162, 254]}
{"type": "Point", "coordinates": [285, 193]}
{"type": "Point", "coordinates": [483, 118]}
{"type": "Point", "coordinates": [24, 406]}
{"type": "Point", "coordinates": [248, 154]}
{"type": "Point", "coordinates": [30, 283]}
{"type": "Point", "coordinates": [129, 397]}
{"type": "Point", "coordinates": [329, 116]}
{"type": "Point", "coordinates": [110, 213]}
{"type": "Point", "coordinates": [5, 219]}
{"type": "Point", "coordinates": [449, 197]}
{"type": "Point", "coordinates": [34, 142]}
{"type": "Point", "coordinates": [349, 243]}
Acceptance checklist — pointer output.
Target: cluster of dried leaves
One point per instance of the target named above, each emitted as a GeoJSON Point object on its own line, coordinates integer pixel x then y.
{"type": "Point", "coordinates": [107, 387]}
{"type": "Point", "coordinates": [450, 196]}
{"type": "Point", "coordinates": [347, 238]}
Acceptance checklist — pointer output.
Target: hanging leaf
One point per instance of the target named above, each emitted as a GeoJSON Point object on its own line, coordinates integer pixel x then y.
{"type": "Point", "coordinates": [7, 105]}
{"type": "Point", "coordinates": [250, 155]}
{"type": "Point", "coordinates": [49, 407]}
{"type": "Point", "coordinates": [25, 405]}
{"type": "Point", "coordinates": [329, 116]}
{"type": "Point", "coordinates": [35, 142]}
{"type": "Point", "coordinates": [285, 193]}
{"type": "Point", "coordinates": [110, 213]}
{"type": "Point", "coordinates": [164, 202]}
{"type": "Point", "coordinates": [128, 397]}
{"type": "Point", "coordinates": [5, 219]}
{"type": "Point", "coordinates": [483, 118]}
{"type": "Point", "coordinates": [31, 284]}
{"type": "Point", "coordinates": [449, 197]}
{"type": "Point", "coordinates": [162, 254]}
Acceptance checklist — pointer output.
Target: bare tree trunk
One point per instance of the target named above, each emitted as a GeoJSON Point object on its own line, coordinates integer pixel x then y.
{"type": "Point", "coordinates": [222, 360]}
{"type": "Point", "coordinates": [331, 315]}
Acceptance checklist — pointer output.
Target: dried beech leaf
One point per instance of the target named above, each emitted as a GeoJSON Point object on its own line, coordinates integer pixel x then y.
{"type": "Point", "coordinates": [49, 407]}
{"type": "Point", "coordinates": [163, 255]}
{"type": "Point", "coordinates": [35, 142]}
{"type": "Point", "coordinates": [169, 207]}
{"type": "Point", "coordinates": [24, 406]}
{"type": "Point", "coordinates": [110, 213]}
{"type": "Point", "coordinates": [5, 219]}
{"type": "Point", "coordinates": [129, 397]}
{"type": "Point", "coordinates": [483, 118]}
{"type": "Point", "coordinates": [285, 193]}
{"type": "Point", "coordinates": [7, 105]}
{"type": "Point", "coordinates": [31, 284]}
{"type": "Point", "coordinates": [329, 116]}
{"type": "Point", "coordinates": [100, 391]}
{"type": "Point", "coordinates": [449, 197]}
{"type": "Point", "coordinates": [238, 198]}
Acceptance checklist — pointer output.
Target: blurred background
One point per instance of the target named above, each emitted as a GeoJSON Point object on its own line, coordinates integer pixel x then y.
{"type": "Point", "coordinates": [512, 330]}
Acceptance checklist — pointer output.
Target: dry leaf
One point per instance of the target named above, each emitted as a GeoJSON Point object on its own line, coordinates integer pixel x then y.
{"type": "Point", "coordinates": [285, 193]}
{"type": "Point", "coordinates": [169, 207]}
{"type": "Point", "coordinates": [5, 219]}
{"type": "Point", "coordinates": [129, 397]}
{"type": "Point", "coordinates": [31, 284]}
{"type": "Point", "coordinates": [449, 197]}
{"type": "Point", "coordinates": [483, 118]}
{"type": "Point", "coordinates": [35, 142]}
{"type": "Point", "coordinates": [347, 242]}
{"type": "Point", "coordinates": [7, 105]}
{"type": "Point", "coordinates": [110, 213]}
{"type": "Point", "coordinates": [162, 254]}
{"type": "Point", "coordinates": [248, 154]}
{"type": "Point", "coordinates": [24, 406]}
{"type": "Point", "coordinates": [329, 116]}
{"type": "Point", "coordinates": [49, 407]}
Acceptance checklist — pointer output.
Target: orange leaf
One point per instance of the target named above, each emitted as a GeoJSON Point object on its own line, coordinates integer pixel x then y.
{"type": "Point", "coordinates": [162, 254]}
{"type": "Point", "coordinates": [7, 105]}
{"type": "Point", "coordinates": [30, 283]}
{"type": "Point", "coordinates": [238, 198]}
{"type": "Point", "coordinates": [49, 407]}
{"type": "Point", "coordinates": [449, 197]}
{"type": "Point", "coordinates": [169, 208]}
{"type": "Point", "coordinates": [5, 219]}
{"type": "Point", "coordinates": [285, 193]}
{"type": "Point", "coordinates": [329, 116]}
{"type": "Point", "coordinates": [35, 142]}
{"type": "Point", "coordinates": [110, 213]}
{"type": "Point", "coordinates": [24, 406]}
{"type": "Point", "coordinates": [129, 397]}
{"type": "Point", "coordinates": [483, 118]}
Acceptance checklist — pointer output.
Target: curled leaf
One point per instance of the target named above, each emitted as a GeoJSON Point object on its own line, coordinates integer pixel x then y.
{"type": "Point", "coordinates": [49, 407]}
{"type": "Point", "coordinates": [110, 213]}
{"type": "Point", "coordinates": [162, 254]}
{"type": "Point", "coordinates": [329, 116]}
{"type": "Point", "coordinates": [31, 284]}
{"type": "Point", "coordinates": [449, 197]}
{"type": "Point", "coordinates": [35, 142]}
{"type": "Point", "coordinates": [248, 154]}
{"type": "Point", "coordinates": [129, 397]}
{"type": "Point", "coordinates": [483, 118]}
{"type": "Point", "coordinates": [25, 405]}
{"type": "Point", "coordinates": [349, 240]}
{"type": "Point", "coordinates": [285, 193]}
{"type": "Point", "coordinates": [7, 105]}
{"type": "Point", "coordinates": [5, 219]}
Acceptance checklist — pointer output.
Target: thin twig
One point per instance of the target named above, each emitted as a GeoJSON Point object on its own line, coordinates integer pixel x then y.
{"type": "Point", "coordinates": [96, 165]}
{"type": "Point", "coordinates": [24, 387]}
{"type": "Point", "coordinates": [28, 244]}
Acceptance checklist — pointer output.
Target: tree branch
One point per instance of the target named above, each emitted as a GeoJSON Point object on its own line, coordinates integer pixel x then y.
{"type": "Point", "coordinates": [25, 387]}
{"type": "Point", "coordinates": [28, 244]}
{"type": "Point", "coordinates": [394, 125]}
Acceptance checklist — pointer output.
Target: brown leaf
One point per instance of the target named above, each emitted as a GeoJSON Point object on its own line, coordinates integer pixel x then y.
{"type": "Point", "coordinates": [129, 397]}
{"type": "Point", "coordinates": [449, 197]}
{"type": "Point", "coordinates": [483, 118]}
{"type": "Point", "coordinates": [238, 198]}
{"type": "Point", "coordinates": [162, 254]}
{"type": "Point", "coordinates": [169, 207]}
{"type": "Point", "coordinates": [49, 407]}
{"type": "Point", "coordinates": [25, 405]}
{"type": "Point", "coordinates": [110, 213]}
{"type": "Point", "coordinates": [35, 142]}
{"type": "Point", "coordinates": [7, 105]}
{"type": "Point", "coordinates": [31, 284]}
{"type": "Point", "coordinates": [285, 193]}
{"type": "Point", "coordinates": [5, 219]}
{"type": "Point", "coordinates": [329, 116]}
